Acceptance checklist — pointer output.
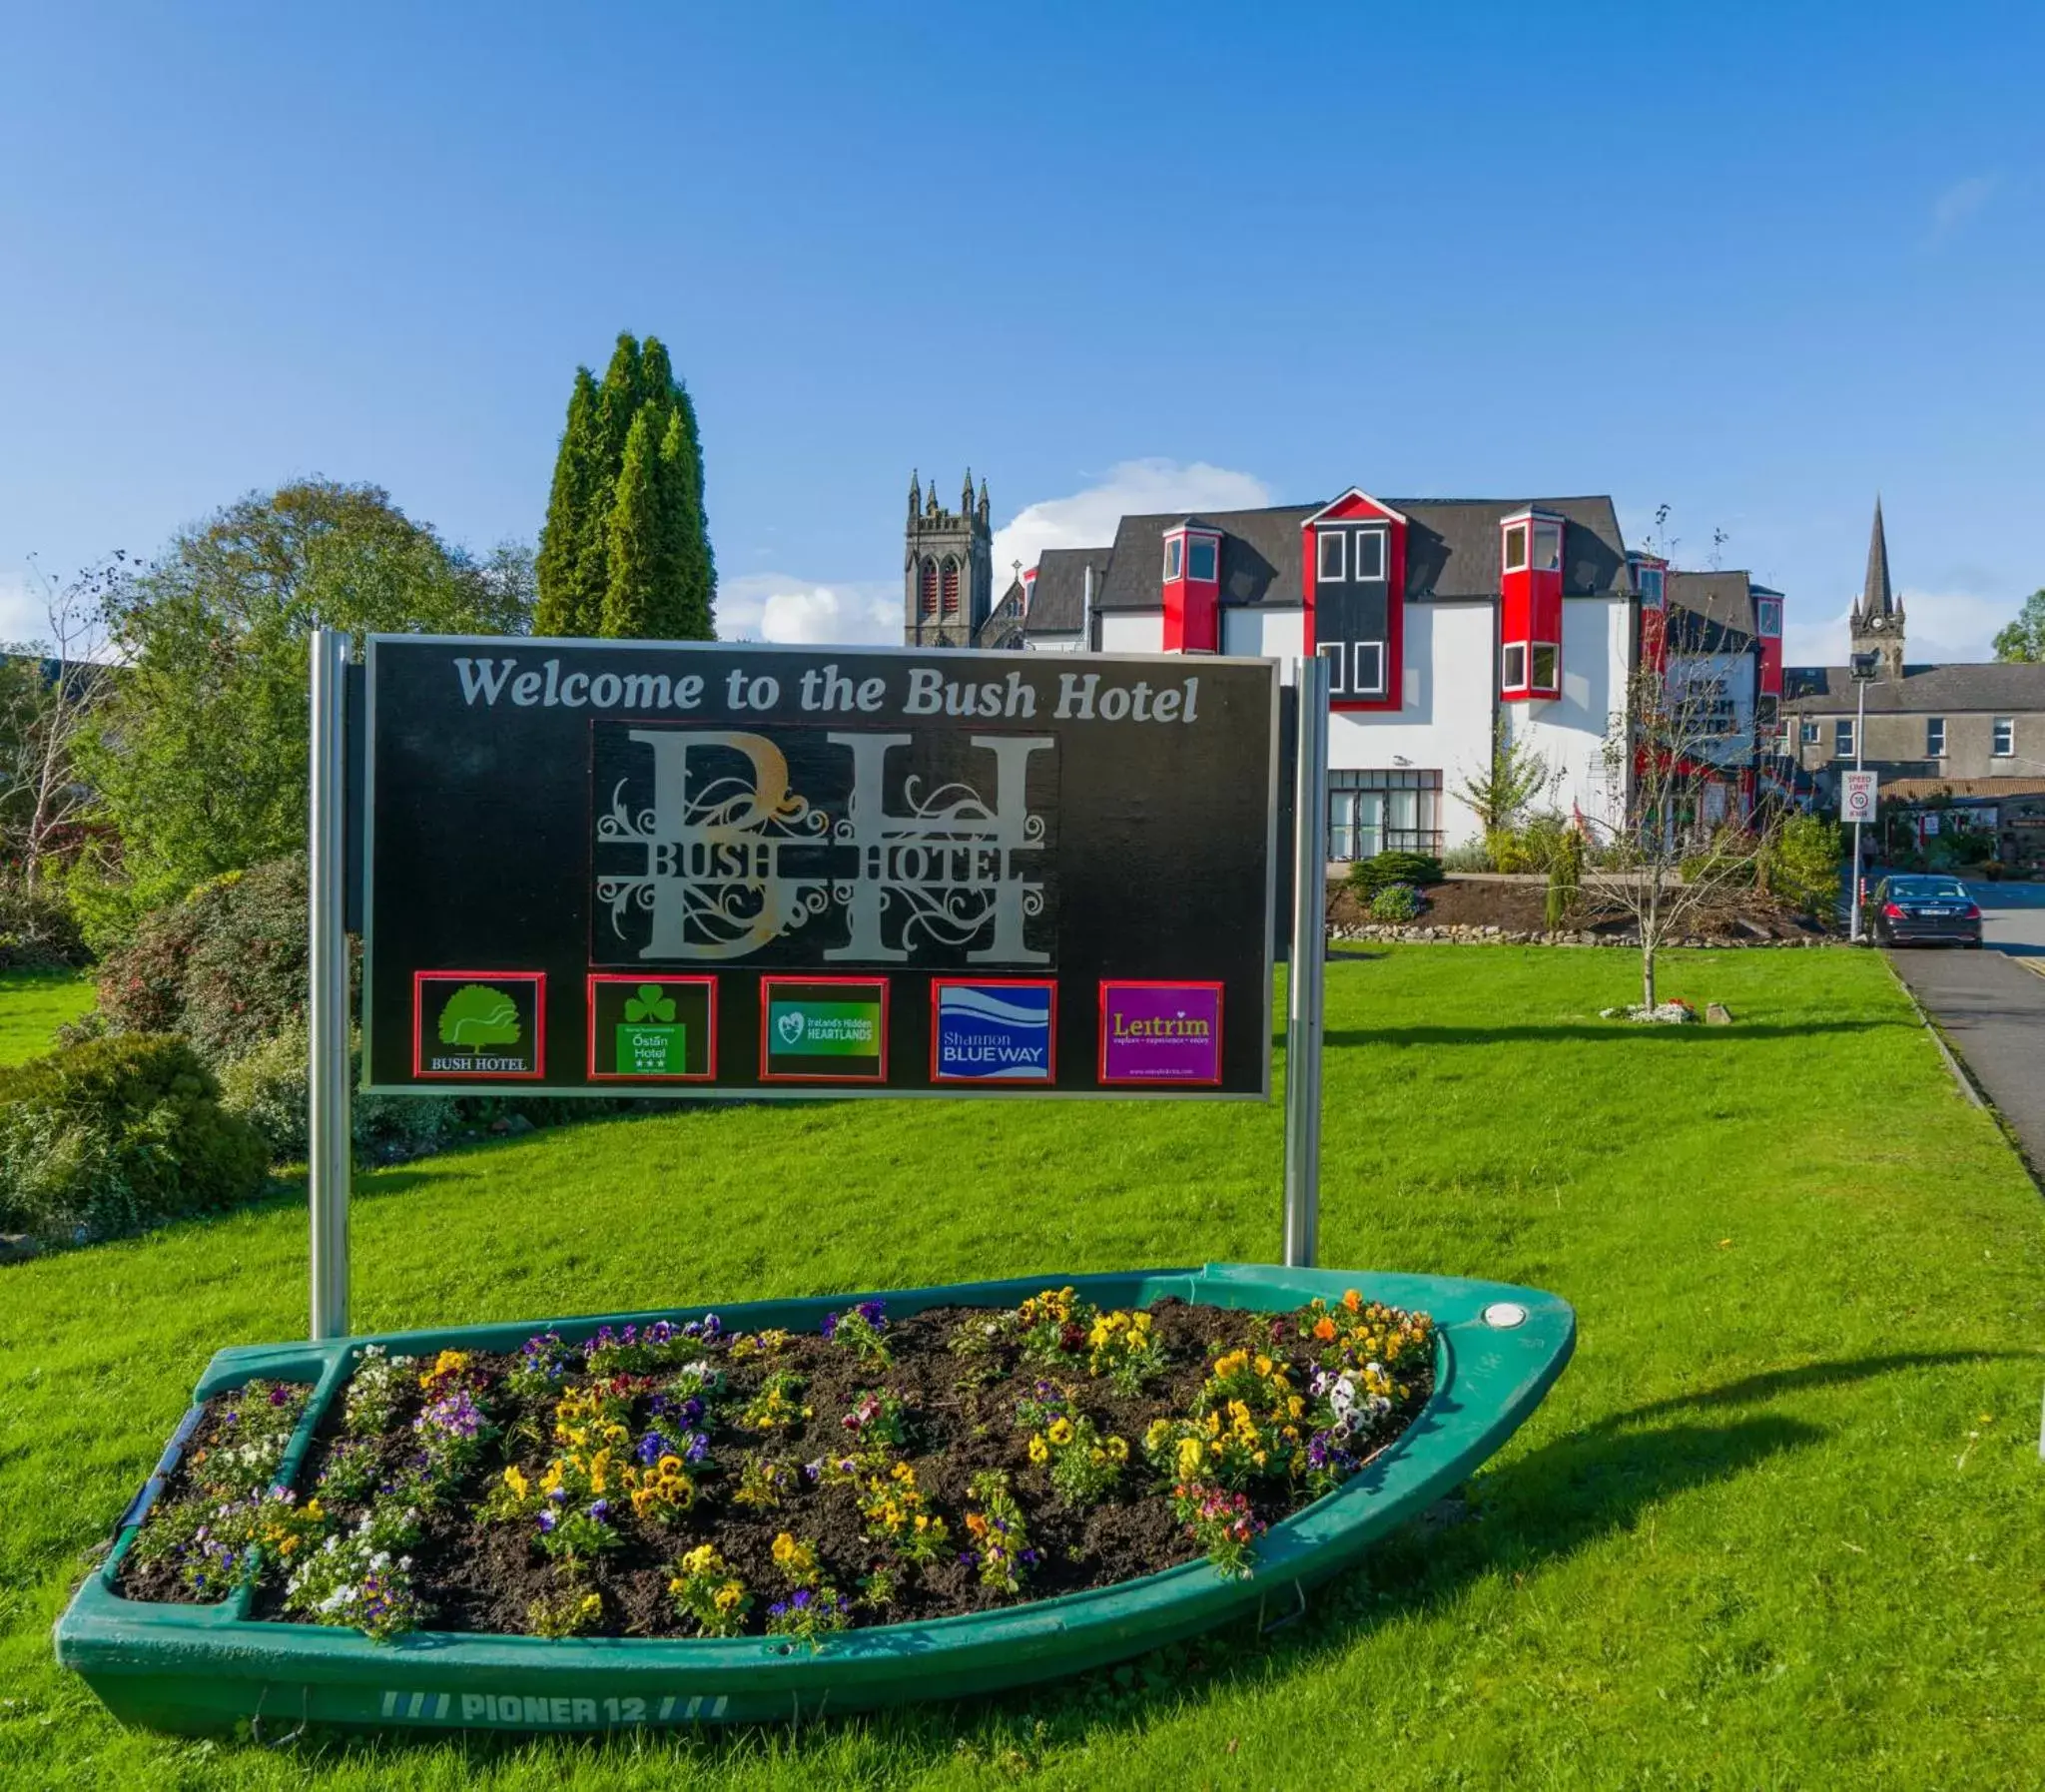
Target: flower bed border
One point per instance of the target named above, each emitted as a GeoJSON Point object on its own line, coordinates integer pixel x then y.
{"type": "Point", "coordinates": [201, 1670]}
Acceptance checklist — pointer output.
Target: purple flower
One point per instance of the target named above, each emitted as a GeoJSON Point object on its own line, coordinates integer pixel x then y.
{"type": "Point", "coordinates": [548, 1521]}
{"type": "Point", "coordinates": [695, 1449]}
{"type": "Point", "coordinates": [600, 1511]}
{"type": "Point", "coordinates": [778, 1609]}
{"type": "Point", "coordinates": [874, 1313]}
{"type": "Point", "coordinates": [558, 1496]}
{"type": "Point", "coordinates": [280, 1395]}
{"type": "Point", "coordinates": [830, 1327]}
{"type": "Point", "coordinates": [802, 1598]}
{"type": "Point", "coordinates": [652, 1448]}
{"type": "Point", "coordinates": [659, 1332]}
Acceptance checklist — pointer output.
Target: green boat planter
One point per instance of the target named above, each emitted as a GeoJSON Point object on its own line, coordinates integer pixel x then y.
{"type": "Point", "coordinates": [203, 1668]}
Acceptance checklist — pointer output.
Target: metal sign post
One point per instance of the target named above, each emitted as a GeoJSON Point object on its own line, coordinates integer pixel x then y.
{"type": "Point", "coordinates": [331, 1163]}
{"type": "Point", "coordinates": [1305, 978]}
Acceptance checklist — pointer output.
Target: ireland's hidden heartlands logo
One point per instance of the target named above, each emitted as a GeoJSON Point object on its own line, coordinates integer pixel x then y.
{"type": "Point", "coordinates": [1160, 1033]}
{"type": "Point", "coordinates": [993, 1033]}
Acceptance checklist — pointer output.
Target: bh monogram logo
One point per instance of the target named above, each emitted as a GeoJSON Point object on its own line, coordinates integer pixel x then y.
{"type": "Point", "coordinates": [707, 851]}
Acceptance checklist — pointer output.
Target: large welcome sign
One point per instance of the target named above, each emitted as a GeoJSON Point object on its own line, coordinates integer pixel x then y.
{"type": "Point", "coordinates": [623, 867]}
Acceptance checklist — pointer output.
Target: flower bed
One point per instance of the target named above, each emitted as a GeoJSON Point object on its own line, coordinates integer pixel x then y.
{"type": "Point", "coordinates": [685, 1481]}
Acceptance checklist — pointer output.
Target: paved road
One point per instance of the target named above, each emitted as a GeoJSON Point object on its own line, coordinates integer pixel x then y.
{"type": "Point", "coordinates": [1991, 1005]}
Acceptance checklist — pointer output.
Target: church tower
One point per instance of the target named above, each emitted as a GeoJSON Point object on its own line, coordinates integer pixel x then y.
{"type": "Point", "coordinates": [1876, 625]}
{"type": "Point", "coordinates": [948, 580]}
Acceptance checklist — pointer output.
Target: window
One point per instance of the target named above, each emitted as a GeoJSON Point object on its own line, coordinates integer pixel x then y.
{"type": "Point", "coordinates": [1515, 666]}
{"type": "Point", "coordinates": [2005, 740]}
{"type": "Point", "coordinates": [1370, 555]}
{"type": "Point", "coordinates": [1842, 739]}
{"type": "Point", "coordinates": [1650, 586]}
{"type": "Point", "coordinates": [1548, 547]}
{"type": "Point", "coordinates": [1370, 669]}
{"type": "Point", "coordinates": [1809, 734]}
{"type": "Point", "coordinates": [1516, 548]}
{"type": "Point", "coordinates": [1203, 557]}
{"type": "Point", "coordinates": [1329, 554]}
{"type": "Point", "coordinates": [951, 587]}
{"type": "Point", "coordinates": [1547, 670]}
{"type": "Point", "coordinates": [928, 598]}
{"type": "Point", "coordinates": [1175, 557]}
{"type": "Point", "coordinates": [1765, 713]}
{"type": "Point", "coordinates": [1769, 618]}
{"type": "Point", "coordinates": [1331, 651]}
{"type": "Point", "coordinates": [1934, 737]}
{"type": "Point", "coordinates": [1383, 811]}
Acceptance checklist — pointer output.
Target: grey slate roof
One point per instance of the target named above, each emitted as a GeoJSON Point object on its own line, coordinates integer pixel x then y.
{"type": "Point", "coordinates": [1931, 690]}
{"type": "Point", "coordinates": [1060, 595]}
{"type": "Point", "coordinates": [1710, 612]}
{"type": "Point", "coordinates": [1452, 551]}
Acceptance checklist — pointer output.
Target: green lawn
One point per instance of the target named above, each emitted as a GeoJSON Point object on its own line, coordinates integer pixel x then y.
{"type": "Point", "coordinates": [34, 1004]}
{"type": "Point", "coordinates": [1779, 1524]}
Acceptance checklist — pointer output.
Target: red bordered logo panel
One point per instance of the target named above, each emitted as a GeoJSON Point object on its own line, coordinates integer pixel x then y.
{"type": "Point", "coordinates": [824, 1029]}
{"type": "Point", "coordinates": [1154, 1033]}
{"type": "Point", "coordinates": [480, 1025]}
{"type": "Point", "coordinates": [994, 1030]}
{"type": "Point", "coordinates": [652, 1030]}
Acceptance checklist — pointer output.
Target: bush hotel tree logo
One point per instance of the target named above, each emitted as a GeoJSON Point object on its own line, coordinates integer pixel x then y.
{"type": "Point", "coordinates": [736, 869]}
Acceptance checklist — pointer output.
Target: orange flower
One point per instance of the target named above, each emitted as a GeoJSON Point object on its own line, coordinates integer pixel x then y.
{"type": "Point", "coordinates": [1324, 1328]}
{"type": "Point", "coordinates": [1352, 1299]}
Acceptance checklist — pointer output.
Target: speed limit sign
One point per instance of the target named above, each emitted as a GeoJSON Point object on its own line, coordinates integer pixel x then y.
{"type": "Point", "coordinates": [1856, 796]}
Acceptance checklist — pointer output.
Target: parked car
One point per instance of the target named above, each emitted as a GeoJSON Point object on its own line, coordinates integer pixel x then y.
{"type": "Point", "coordinates": [1921, 910]}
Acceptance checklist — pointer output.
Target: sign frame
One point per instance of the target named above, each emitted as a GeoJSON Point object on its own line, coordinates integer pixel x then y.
{"type": "Point", "coordinates": [1860, 784]}
{"type": "Point", "coordinates": [781, 1087]}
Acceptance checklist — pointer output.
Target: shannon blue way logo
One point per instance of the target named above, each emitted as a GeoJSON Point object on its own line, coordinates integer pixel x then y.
{"type": "Point", "coordinates": [992, 1032]}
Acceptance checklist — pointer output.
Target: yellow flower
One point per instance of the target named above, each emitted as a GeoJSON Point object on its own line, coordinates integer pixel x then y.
{"type": "Point", "coordinates": [592, 1604]}
{"type": "Point", "coordinates": [728, 1595]}
{"type": "Point", "coordinates": [1117, 1448]}
{"type": "Point", "coordinates": [516, 1482]}
{"type": "Point", "coordinates": [701, 1559]}
{"type": "Point", "coordinates": [1190, 1455]}
{"type": "Point", "coordinates": [1263, 1365]}
{"type": "Point", "coordinates": [1060, 1430]}
{"type": "Point", "coordinates": [1039, 1450]}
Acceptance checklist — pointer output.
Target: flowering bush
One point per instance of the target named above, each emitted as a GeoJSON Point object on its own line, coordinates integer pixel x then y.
{"type": "Point", "coordinates": [1224, 1525]}
{"type": "Point", "coordinates": [1125, 1350]}
{"type": "Point", "coordinates": [706, 1590]}
{"type": "Point", "coordinates": [859, 1330]}
{"type": "Point", "coordinates": [1000, 1550]}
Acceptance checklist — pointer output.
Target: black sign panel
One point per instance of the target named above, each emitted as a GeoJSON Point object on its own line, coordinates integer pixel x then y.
{"type": "Point", "coordinates": [661, 868]}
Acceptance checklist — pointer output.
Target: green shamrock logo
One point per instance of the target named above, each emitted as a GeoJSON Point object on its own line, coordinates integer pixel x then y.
{"type": "Point", "coordinates": [649, 1005]}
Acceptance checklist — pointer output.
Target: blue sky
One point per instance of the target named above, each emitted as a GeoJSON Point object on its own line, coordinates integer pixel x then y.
{"type": "Point", "coordinates": [1753, 261]}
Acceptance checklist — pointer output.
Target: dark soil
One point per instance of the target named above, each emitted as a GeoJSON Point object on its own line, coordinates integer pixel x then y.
{"type": "Point", "coordinates": [481, 1575]}
{"type": "Point", "coordinates": [1750, 918]}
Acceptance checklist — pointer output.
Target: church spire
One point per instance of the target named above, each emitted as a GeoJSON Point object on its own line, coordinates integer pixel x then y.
{"type": "Point", "coordinates": [1877, 596]}
{"type": "Point", "coordinates": [966, 501]}
{"type": "Point", "coordinates": [982, 499]}
{"type": "Point", "coordinates": [915, 493]}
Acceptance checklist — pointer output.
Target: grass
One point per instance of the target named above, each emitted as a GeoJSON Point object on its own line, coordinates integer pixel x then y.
{"type": "Point", "coordinates": [1776, 1526]}
{"type": "Point", "coordinates": [34, 1004]}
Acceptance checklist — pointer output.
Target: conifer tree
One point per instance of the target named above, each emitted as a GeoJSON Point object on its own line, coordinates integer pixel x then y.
{"type": "Point", "coordinates": [682, 503]}
{"type": "Point", "coordinates": [576, 474]}
{"type": "Point", "coordinates": [633, 601]}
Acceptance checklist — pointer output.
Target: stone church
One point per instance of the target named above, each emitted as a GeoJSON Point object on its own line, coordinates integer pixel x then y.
{"type": "Point", "coordinates": [948, 572]}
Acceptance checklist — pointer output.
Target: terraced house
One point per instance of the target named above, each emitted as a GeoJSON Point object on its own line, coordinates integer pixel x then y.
{"type": "Point", "coordinates": [1442, 620]}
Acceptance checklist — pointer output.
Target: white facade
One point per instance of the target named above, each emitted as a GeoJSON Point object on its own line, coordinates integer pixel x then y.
{"type": "Point", "coordinates": [1571, 733]}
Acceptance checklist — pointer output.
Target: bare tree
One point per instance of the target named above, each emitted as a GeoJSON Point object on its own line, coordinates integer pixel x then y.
{"type": "Point", "coordinates": [48, 688]}
{"type": "Point", "coordinates": [1677, 854]}
{"type": "Point", "coordinates": [1518, 777]}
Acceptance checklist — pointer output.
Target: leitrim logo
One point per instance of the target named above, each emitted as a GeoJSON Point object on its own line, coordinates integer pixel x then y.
{"type": "Point", "coordinates": [468, 1023]}
{"type": "Point", "coordinates": [992, 1032]}
{"type": "Point", "coordinates": [1160, 1033]}
{"type": "Point", "coordinates": [826, 1029]}
{"type": "Point", "coordinates": [705, 850]}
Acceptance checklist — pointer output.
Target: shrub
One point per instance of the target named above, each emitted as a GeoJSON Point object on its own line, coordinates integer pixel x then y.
{"type": "Point", "coordinates": [270, 1087]}
{"type": "Point", "coordinates": [1507, 851]}
{"type": "Point", "coordinates": [1395, 903]}
{"type": "Point", "coordinates": [1733, 860]}
{"type": "Point", "coordinates": [114, 1134]}
{"type": "Point", "coordinates": [38, 931]}
{"type": "Point", "coordinates": [1470, 856]}
{"type": "Point", "coordinates": [1564, 881]}
{"type": "Point", "coordinates": [227, 966]}
{"type": "Point", "coordinates": [1369, 875]}
{"type": "Point", "coordinates": [1804, 865]}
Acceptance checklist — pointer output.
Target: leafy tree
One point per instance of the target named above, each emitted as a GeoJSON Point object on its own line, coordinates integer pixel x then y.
{"type": "Point", "coordinates": [1502, 792]}
{"type": "Point", "coordinates": [665, 584]}
{"type": "Point", "coordinates": [199, 756]}
{"type": "Point", "coordinates": [2024, 639]}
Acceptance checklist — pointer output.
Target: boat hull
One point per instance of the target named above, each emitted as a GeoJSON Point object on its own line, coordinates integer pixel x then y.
{"type": "Point", "coordinates": [203, 1669]}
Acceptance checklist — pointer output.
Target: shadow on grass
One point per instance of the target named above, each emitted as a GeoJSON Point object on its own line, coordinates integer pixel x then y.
{"type": "Point", "coordinates": [1608, 1032]}
{"type": "Point", "coordinates": [1539, 1509]}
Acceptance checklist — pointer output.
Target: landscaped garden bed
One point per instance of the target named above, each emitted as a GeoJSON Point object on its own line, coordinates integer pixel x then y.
{"type": "Point", "coordinates": [688, 1479]}
{"type": "Point", "coordinates": [808, 1503]}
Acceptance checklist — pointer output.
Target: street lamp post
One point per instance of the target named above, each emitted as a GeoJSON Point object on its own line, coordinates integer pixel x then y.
{"type": "Point", "coordinates": [1865, 666]}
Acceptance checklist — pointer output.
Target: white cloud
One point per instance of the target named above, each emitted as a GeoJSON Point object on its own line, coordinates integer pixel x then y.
{"type": "Point", "coordinates": [1133, 488]}
{"type": "Point", "coordinates": [1938, 626]}
{"type": "Point", "coordinates": [1958, 204]}
{"type": "Point", "coordinates": [773, 607]}
{"type": "Point", "coordinates": [22, 616]}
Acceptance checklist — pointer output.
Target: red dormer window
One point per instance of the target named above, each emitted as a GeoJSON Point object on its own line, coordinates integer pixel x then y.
{"type": "Point", "coordinates": [1191, 591]}
{"type": "Point", "coordinates": [1530, 606]}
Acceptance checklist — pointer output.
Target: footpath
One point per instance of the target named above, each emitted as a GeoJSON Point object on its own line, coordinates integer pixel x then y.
{"type": "Point", "coordinates": [1992, 1009]}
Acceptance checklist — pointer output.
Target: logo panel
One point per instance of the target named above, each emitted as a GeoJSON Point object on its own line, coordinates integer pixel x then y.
{"type": "Point", "coordinates": [1160, 1033]}
{"type": "Point", "coordinates": [652, 1030]}
{"type": "Point", "coordinates": [480, 1024]}
{"type": "Point", "coordinates": [823, 1030]}
{"type": "Point", "coordinates": [1002, 1031]}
